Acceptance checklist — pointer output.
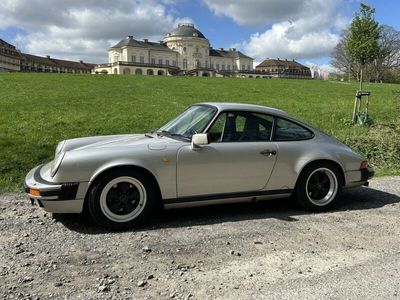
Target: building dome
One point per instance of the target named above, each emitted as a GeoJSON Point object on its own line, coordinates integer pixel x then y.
{"type": "Point", "coordinates": [185, 30]}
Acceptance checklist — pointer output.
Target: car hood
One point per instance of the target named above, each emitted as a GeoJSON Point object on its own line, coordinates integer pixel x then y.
{"type": "Point", "coordinates": [115, 141]}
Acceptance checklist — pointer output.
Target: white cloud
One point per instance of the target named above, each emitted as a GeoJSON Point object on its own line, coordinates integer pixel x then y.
{"type": "Point", "coordinates": [283, 41]}
{"type": "Point", "coordinates": [256, 12]}
{"type": "Point", "coordinates": [299, 29]}
{"type": "Point", "coordinates": [76, 29]}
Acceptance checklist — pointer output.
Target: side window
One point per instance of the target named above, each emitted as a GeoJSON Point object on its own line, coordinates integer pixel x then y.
{"type": "Point", "coordinates": [240, 123]}
{"type": "Point", "coordinates": [217, 129]}
{"type": "Point", "coordinates": [241, 127]}
{"type": "Point", "coordinates": [289, 131]}
{"type": "Point", "coordinates": [257, 128]}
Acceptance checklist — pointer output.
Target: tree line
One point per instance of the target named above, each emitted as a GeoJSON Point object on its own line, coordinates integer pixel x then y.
{"type": "Point", "coordinates": [368, 50]}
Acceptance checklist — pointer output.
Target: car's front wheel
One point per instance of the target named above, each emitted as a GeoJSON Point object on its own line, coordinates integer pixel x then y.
{"type": "Point", "coordinates": [121, 199]}
{"type": "Point", "coordinates": [319, 186]}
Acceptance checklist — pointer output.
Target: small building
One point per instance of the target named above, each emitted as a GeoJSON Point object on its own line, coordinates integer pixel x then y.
{"type": "Point", "coordinates": [183, 51]}
{"type": "Point", "coordinates": [34, 63]}
{"type": "Point", "coordinates": [10, 57]}
{"type": "Point", "coordinates": [284, 69]}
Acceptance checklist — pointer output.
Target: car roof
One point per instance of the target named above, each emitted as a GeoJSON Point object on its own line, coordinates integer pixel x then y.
{"type": "Point", "coordinates": [246, 107]}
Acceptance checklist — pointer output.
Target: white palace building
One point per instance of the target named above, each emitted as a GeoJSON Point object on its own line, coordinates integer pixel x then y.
{"type": "Point", "coordinates": [183, 51]}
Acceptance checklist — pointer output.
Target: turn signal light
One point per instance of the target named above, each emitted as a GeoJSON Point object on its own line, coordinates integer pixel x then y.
{"type": "Point", "coordinates": [364, 165]}
{"type": "Point", "coordinates": [34, 192]}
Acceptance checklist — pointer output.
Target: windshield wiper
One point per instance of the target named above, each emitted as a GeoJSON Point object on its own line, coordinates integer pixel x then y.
{"type": "Point", "coordinates": [151, 134]}
{"type": "Point", "coordinates": [172, 134]}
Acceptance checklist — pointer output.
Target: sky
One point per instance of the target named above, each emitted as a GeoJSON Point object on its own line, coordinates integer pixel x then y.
{"type": "Point", "coordinates": [305, 30]}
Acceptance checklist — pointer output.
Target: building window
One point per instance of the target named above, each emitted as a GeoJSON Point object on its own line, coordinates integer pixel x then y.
{"type": "Point", "coordinates": [167, 62]}
{"type": "Point", "coordinates": [116, 58]}
{"type": "Point", "coordinates": [133, 58]}
{"type": "Point", "coordinates": [174, 63]}
{"type": "Point", "coordinates": [142, 59]}
{"type": "Point", "coordinates": [248, 67]}
{"type": "Point", "coordinates": [211, 65]}
{"type": "Point", "coordinates": [217, 66]}
{"type": "Point", "coordinates": [243, 67]}
{"type": "Point", "coordinates": [184, 49]}
{"type": "Point", "coordinates": [184, 64]}
{"type": "Point", "coordinates": [223, 67]}
{"type": "Point", "coordinates": [160, 61]}
{"type": "Point", "coordinates": [197, 50]}
{"type": "Point", "coordinates": [229, 67]}
{"type": "Point", "coordinates": [153, 61]}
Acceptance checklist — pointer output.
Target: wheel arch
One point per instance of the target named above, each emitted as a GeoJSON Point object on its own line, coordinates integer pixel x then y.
{"type": "Point", "coordinates": [329, 161]}
{"type": "Point", "coordinates": [127, 167]}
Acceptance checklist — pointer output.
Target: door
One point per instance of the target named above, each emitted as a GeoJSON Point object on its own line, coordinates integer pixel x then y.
{"type": "Point", "coordinates": [240, 157]}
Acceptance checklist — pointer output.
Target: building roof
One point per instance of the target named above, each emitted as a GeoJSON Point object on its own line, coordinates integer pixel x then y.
{"type": "Point", "coordinates": [281, 62]}
{"type": "Point", "coordinates": [3, 43]}
{"type": "Point", "coordinates": [48, 61]}
{"type": "Point", "coordinates": [231, 53]}
{"type": "Point", "coordinates": [9, 50]}
{"type": "Point", "coordinates": [187, 30]}
{"type": "Point", "coordinates": [130, 41]}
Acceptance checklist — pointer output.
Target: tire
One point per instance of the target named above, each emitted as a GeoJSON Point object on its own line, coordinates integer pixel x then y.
{"type": "Point", "coordinates": [319, 187]}
{"type": "Point", "coordinates": [122, 199]}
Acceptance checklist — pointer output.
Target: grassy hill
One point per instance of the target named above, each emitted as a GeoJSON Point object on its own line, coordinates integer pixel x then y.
{"type": "Point", "coordinates": [38, 110]}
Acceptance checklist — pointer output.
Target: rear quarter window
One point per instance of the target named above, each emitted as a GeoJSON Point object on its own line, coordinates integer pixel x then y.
{"type": "Point", "coordinates": [289, 131]}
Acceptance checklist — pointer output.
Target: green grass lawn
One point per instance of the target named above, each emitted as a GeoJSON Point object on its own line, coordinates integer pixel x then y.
{"type": "Point", "coordinates": [38, 110]}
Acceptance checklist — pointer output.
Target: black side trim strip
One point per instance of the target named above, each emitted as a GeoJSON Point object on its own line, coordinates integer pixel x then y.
{"type": "Point", "coordinates": [226, 196]}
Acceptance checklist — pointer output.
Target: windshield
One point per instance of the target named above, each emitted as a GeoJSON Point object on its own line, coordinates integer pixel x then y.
{"type": "Point", "coordinates": [193, 120]}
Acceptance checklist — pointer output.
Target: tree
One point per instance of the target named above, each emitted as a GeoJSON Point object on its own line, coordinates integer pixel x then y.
{"type": "Point", "coordinates": [389, 55]}
{"type": "Point", "coordinates": [384, 68]}
{"type": "Point", "coordinates": [342, 61]}
{"type": "Point", "coordinates": [362, 43]}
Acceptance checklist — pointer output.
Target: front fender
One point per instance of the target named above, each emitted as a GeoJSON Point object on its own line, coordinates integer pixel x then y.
{"type": "Point", "coordinates": [119, 163]}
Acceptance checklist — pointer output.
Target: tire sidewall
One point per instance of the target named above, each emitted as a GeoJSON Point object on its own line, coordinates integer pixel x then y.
{"type": "Point", "coordinates": [301, 191]}
{"type": "Point", "coordinates": [95, 206]}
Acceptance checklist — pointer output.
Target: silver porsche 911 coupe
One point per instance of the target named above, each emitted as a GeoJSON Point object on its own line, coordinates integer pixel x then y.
{"type": "Point", "coordinates": [211, 153]}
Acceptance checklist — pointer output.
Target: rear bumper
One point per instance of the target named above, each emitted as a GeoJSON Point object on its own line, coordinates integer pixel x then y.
{"type": "Point", "coordinates": [358, 178]}
{"type": "Point", "coordinates": [53, 197]}
{"type": "Point", "coordinates": [367, 173]}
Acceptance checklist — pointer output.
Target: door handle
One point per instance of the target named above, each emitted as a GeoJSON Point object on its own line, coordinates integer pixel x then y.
{"type": "Point", "coordinates": [268, 152]}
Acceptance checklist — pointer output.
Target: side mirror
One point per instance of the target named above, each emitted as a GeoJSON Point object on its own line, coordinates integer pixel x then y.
{"type": "Point", "coordinates": [198, 140]}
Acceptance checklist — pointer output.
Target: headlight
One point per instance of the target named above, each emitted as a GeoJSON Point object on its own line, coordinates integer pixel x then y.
{"type": "Point", "coordinates": [56, 164]}
{"type": "Point", "coordinates": [58, 157]}
{"type": "Point", "coordinates": [60, 147]}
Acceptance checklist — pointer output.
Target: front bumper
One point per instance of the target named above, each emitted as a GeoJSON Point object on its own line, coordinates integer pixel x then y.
{"type": "Point", "coordinates": [358, 178]}
{"type": "Point", "coordinates": [52, 197]}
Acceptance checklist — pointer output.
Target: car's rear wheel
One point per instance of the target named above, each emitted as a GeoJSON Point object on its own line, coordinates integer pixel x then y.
{"type": "Point", "coordinates": [319, 186]}
{"type": "Point", "coordinates": [122, 199]}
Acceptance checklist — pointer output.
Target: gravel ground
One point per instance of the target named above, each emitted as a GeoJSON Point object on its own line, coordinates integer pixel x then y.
{"type": "Point", "coordinates": [267, 250]}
